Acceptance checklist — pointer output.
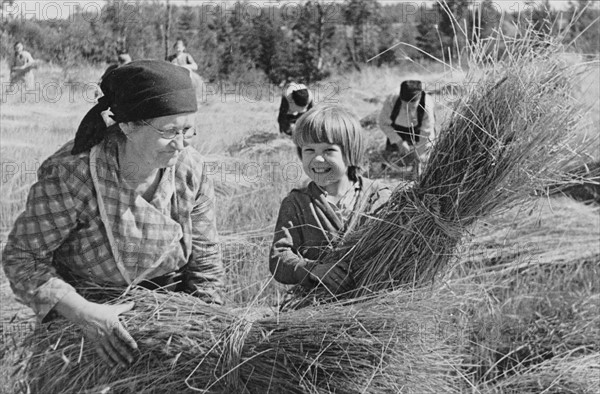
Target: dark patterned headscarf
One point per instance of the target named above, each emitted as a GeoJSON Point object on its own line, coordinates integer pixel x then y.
{"type": "Point", "coordinates": [142, 89]}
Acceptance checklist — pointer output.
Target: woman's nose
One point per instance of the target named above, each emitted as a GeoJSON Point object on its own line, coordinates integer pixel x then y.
{"type": "Point", "coordinates": [179, 142]}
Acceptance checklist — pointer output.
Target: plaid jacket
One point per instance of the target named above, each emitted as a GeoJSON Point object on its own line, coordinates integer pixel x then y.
{"type": "Point", "coordinates": [62, 232]}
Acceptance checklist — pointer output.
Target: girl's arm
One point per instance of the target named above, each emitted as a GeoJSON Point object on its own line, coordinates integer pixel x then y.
{"type": "Point", "coordinates": [285, 262]}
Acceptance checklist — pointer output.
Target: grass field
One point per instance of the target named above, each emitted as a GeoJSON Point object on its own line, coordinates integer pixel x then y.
{"type": "Point", "coordinates": [536, 329]}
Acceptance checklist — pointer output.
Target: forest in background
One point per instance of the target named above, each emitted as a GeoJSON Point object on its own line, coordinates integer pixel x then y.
{"type": "Point", "coordinates": [249, 41]}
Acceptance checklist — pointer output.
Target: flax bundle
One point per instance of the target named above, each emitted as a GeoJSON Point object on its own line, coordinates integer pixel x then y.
{"type": "Point", "coordinates": [400, 342]}
{"type": "Point", "coordinates": [548, 232]}
{"type": "Point", "coordinates": [537, 326]}
{"type": "Point", "coordinates": [508, 137]}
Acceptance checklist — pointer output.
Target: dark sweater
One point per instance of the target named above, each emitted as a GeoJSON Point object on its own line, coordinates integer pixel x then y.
{"type": "Point", "coordinates": [308, 226]}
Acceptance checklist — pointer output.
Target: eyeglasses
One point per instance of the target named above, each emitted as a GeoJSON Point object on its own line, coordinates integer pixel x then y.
{"type": "Point", "coordinates": [187, 132]}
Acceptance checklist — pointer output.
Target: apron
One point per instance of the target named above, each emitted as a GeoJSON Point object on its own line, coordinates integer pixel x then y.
{"type": "Point", "coordinates": [144, 239]}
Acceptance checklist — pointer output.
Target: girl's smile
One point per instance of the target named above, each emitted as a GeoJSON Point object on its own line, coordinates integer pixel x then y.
{"type": "Point", "coordinates": [324, 164]}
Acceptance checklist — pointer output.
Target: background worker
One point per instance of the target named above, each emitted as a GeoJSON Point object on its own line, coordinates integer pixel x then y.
{"type": "Point", "coordinates": [21, 70]}
{"type": "Point", "coordinates": [181, 57]}
{"type": "Point", "coordinates": [407, 119]}
{"type": "Point", "coordinates": [295, 101]}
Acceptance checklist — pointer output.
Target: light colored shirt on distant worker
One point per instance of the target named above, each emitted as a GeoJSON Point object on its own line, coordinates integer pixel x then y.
{"type": "Point", "coordinates": [407, 117]}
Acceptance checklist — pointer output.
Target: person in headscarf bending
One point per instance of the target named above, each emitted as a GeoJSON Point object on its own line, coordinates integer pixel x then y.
{"type": "Point", "coordinates": [407, 119]}
{"type": "Point", "coordinates": [127, 202]}
{"type": "Point", "coordinates": [295, 101]}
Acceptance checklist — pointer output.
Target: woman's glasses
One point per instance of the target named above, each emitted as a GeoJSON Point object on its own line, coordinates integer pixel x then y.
{"type": "Point", "coordinates": [187, 132]}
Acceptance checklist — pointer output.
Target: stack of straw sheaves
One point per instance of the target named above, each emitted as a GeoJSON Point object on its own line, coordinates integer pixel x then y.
{"type": "Point", "coordinates": [504, 139]}
{"type": "Point", "coordinates": [536, 328]}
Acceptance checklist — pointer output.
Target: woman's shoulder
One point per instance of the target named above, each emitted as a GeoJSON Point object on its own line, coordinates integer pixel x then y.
{"type": "Point", "coordinates": [63, 161]}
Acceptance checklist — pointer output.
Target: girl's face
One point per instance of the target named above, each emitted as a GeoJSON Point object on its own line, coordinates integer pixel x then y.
{"type": "Point", "coordinates": [324, 163]}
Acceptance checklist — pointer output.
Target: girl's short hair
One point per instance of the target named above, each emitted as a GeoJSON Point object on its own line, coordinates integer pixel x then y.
{"type": "Point", "coordinates": [333, 124]}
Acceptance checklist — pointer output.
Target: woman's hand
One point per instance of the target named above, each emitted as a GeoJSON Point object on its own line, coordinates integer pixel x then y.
{"type": "Point", "coordinates": [334, 276]}
{"type": "Point", "coordinates": [100, 324]}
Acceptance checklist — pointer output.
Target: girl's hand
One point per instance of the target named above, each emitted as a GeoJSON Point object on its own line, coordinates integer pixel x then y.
{"type": "Point", "coordinates": [334, 276]}
{"type": "Point", "coordinates": [100, 324]}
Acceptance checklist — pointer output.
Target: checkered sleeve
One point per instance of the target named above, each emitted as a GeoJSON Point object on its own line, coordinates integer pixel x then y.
{"type": "Point", "coordinates": [50, 215]}
{"type": "Point", "coordinates": [204, 274]}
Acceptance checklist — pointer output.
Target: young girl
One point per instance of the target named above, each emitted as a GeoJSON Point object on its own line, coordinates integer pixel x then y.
{"type": "Point", "coordinates": [313, 219]}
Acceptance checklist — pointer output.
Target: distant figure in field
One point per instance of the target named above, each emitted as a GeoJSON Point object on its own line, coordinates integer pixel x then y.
{"type": "Point", "coordinates": [295, 101]}
{"type": "Point", "coordinates": [185, 60]}
{"type": "Point", "coordinates": [181, 57]}
{"type": "Point", "coordinates": [407, 120]}
{"type": "Point", "coordinates": [21, 70]}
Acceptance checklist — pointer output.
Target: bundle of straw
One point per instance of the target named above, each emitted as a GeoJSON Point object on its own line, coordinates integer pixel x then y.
{"type": "Point", "coordinates": [548, 232]}
{"type": "Point", "coordinates": [585, 185]}
{"type": "Point", "coordinates": [506, 138]}
{"type": "Point", "coordinates": [402, 342]}
{"type": "Point", "coordinates": [567, 374]}
{"type": "Point", "coordinates": [536, 264]}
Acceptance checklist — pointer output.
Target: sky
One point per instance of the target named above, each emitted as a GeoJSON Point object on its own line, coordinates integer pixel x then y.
{"type": "Point", "coordinates": [61, 9]}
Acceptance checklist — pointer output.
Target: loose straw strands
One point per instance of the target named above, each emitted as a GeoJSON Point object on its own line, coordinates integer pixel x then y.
{"type": "Point", "coordinates": [399, 342]}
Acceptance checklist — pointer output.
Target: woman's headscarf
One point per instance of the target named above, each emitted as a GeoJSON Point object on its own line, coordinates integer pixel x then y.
{"type": "Point", "coordinates": [139, 90]}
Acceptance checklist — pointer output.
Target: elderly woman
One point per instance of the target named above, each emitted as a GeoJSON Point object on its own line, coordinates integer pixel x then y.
{"type": "Point", "coordinates": [120, 205]}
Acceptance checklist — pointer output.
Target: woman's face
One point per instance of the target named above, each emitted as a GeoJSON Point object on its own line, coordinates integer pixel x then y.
{"type": "Point", "coordinates": [148, 148]}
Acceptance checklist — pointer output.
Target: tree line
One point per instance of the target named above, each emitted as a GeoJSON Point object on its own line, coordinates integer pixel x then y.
{"type": "Point", "coordinates": [305, 41]}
